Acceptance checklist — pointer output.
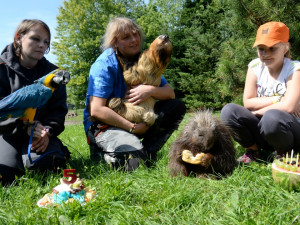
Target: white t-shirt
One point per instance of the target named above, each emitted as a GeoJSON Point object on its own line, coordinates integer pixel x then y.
{"type": "Point", "coordinates": [266, 84]}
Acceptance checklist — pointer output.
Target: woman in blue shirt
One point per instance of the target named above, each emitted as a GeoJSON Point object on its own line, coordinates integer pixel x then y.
{"type": "Point", "coordinates": [111, 136]}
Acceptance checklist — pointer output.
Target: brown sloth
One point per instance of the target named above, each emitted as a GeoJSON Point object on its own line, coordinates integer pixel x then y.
{"type": "Point", "coordinates": [148, 69]}
{"type": "Point", "coordinates": [204, 148]}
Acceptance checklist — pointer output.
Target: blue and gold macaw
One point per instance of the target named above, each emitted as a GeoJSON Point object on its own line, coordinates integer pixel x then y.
{"type": "Point", "coordinates": [24, 102]}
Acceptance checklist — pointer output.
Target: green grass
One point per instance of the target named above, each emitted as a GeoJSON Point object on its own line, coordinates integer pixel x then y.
{"type": "Point", "coordinates": [149, 196]}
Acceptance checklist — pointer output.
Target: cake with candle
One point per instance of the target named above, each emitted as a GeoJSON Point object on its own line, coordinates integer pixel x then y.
{"type": "Point", "coordinates": [67, 191]}
{"type": "Point", "coordinates": [286, 171]}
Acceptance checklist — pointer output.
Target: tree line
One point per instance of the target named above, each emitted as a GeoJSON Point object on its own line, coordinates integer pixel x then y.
{"type": "Point", "coordinates": [212, 41]}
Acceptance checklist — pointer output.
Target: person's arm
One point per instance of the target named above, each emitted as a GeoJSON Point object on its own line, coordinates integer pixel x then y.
{"type": "Point", "coordinates": [290, 102]}
{"type": "Point", "coordinates": [140, 93]}
{"type": "Point", "coordinates": [52, 115]}
{"type": "Point", "coordinates": [99, 111]}
{"type": "Point", "coordinates": [250, 99]}
{"type": "Point", "coordinates": [51, 118]}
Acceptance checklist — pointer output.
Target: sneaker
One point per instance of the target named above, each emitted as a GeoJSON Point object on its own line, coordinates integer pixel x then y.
{"type": "Point", "coordinates": [249, 156]}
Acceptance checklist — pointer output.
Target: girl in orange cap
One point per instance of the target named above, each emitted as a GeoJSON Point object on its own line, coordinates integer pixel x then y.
{"type": "Point", "coordinates": [270, 118]}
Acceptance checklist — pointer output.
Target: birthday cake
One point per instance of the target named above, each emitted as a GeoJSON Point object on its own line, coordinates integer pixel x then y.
{"type": "Point", "coordinates": [68, 191]}
{"type": "Point", "coordinates": [286, 172]}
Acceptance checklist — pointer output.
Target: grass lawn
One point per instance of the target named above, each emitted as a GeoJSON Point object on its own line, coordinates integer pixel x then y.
{"type": "Point", "coordinates": [149, 196]}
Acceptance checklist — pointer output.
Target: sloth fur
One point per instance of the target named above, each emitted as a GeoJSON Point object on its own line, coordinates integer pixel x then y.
{"type": "Point", "coordinates": [148, 69]}
{"type": "Point", "coordinates": [204, 133]}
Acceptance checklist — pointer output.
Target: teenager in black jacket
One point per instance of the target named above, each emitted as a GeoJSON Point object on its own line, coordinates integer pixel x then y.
{"type": "Point", "coordinates": [21, 63]}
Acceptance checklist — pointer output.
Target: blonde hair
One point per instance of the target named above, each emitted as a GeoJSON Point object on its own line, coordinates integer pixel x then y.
{"type": "Point", "coordinates": [116, 27]}
{"type": "Point", "coordinates": [288, 53]}
{"type": "Point", "coordinates": [23, 28]}
{"type": "Point", "coordinates": [286, 45]}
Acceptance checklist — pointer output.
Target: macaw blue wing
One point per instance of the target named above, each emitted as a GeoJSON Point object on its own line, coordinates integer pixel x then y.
{"type": "Point", "coordinates": [24, 102]}
{"type": "Point", "coordinates": [32, 96]}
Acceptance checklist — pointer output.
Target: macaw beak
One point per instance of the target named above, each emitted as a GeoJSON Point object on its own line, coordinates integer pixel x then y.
{"type": "Point", "coordinates": [61, 77]}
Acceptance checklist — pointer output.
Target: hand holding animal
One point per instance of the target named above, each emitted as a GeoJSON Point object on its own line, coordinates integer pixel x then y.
{"type": "Point", "coordinates": [147, 70]}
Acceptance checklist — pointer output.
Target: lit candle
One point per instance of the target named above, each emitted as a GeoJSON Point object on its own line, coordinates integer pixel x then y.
{"type": "Point", "coordinates": [297, 159]}
{"type": "Point", "coordinates": [292, 153]}
{"type": "Point", "coordinates": [287, 157]}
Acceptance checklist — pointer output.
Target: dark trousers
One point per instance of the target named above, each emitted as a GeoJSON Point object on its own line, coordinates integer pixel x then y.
{"type": "Point", "coordinates": [14, 156]}
{"type": "Point", "coordinates": [170, 113]}
{"type": "Point", "coordinates": [275, 130]}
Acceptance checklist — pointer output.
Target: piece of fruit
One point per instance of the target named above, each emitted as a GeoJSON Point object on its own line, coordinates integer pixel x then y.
{"type": "Point", "coordinates": [187, 156]}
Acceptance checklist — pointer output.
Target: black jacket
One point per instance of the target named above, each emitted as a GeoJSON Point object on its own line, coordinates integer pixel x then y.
{"type": "Point", "coordinates": [13, 76]}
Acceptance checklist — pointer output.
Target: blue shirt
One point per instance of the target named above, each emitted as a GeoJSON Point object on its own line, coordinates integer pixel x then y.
{"type": "Point", "coordinates": [106, 81]}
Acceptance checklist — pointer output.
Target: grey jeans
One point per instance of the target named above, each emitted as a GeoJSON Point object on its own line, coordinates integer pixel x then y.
{"type": "Point", "coordinates": [117, 143]}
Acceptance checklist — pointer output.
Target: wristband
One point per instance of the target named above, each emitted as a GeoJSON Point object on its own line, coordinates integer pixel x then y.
{"type": "Point", "coordinates": [278, 98]}
{"type": "Point", "coordinates": [132, 128]}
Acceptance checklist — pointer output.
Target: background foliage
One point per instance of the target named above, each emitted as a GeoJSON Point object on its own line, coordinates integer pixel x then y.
{"type": "Point", "coordinates": [212, 41]}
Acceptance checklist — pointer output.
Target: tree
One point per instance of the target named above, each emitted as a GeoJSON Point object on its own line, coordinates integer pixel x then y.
{"type": "Point", "coordinates": [199, 39]}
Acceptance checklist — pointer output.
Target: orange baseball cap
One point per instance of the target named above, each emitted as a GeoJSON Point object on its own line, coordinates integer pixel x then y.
{"type": "Point", "coordinates": [271, 33]}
